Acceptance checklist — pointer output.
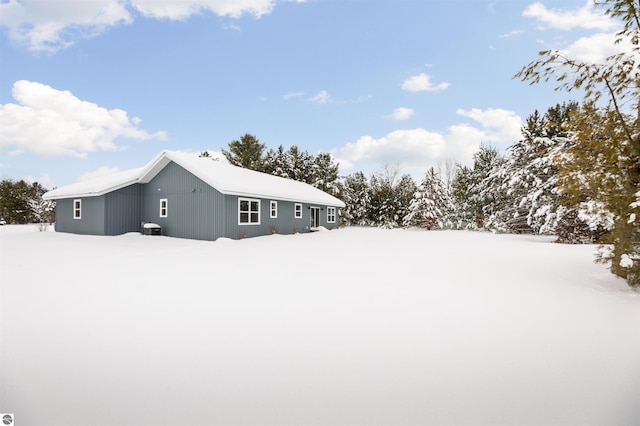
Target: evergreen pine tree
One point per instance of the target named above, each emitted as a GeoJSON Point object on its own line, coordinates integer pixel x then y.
{"type": "Point", "coordinates": [299, 165]}
{"type": "Point", "coordinates": [276, 163]}
{"type": "Point", "coordinates": [325, 173]}
{"type": "Point", "coordinates": [615, 139]}
{"type": "Point", "coordinates": [471, 189]}
{"type": "Point", "coordinates": [357, 198]}
{"type": "Point", "coordinates": [431, 206]}
{"type": "Point", "coordinates": [247, 152]}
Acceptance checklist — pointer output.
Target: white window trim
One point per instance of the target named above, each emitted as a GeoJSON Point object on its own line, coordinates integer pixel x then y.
{"type": "Point", "coordinates": [166, 207]}
{"type": "Point", "coordinates": [79, 209]}
{"type": "Point", "coordinates": [296, 211]}
{"type": "Point", "coordinates": [273, 209]}
{"type": "Point", "coordinates": [250, 200]}
{"type": "Point", "coordinates": [331, 211]}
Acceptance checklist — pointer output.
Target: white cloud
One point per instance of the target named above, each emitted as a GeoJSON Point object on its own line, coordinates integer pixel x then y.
{"type": "Point", "coordinates": [498, 125]}
{"type": "Point", "coordinates": [51, 25]}
{"type": "Point", "coordinates": [102, 171]}
{"type": "Point", "coordinates": [402, 113]}
{"type": "Point", "coordinates": [291, 95]}
{"type": "Point", "coordinates": [405, 146]}
{"type": "Point", "coordinates": [417, 149]}
{"type": "Point", "coordinates": [585, 17]}
{"type": "Point", "coordinates": [48, 26]}
{"type": "Point", "coordinates": [182, 9]}
{"type": "Point", "coordinates": [47, 121]}
{"type": "Point", "coordinates": [322, 97]}
{"type": "Point", "coordinates": [511, 34]}
{"type": "Point", "coordinates": [422, 83]}
{"type": "Point", "coordinates": [595, 49]}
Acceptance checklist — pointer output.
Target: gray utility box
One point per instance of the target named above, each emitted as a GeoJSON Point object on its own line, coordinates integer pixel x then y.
{"type": "Point", "coordinates": [151, 229]}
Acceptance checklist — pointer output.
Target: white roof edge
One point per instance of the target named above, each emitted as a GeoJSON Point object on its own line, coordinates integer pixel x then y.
{"type": "Point", "coordinates": [50, 195]}
{"type": "Point", "coordinates": [95, 187]}
{"type": "Point", "coordinates": [150, 170]}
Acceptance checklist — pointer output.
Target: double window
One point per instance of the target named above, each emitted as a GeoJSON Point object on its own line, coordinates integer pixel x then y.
{"type": "Point", "coordinates": [273, 209]}
{"type": "Point", "coordinates": [164, 207]}
{"type": "Point", "coordinates": [297, 211]}
{"type": "Point", "coordinates": [77, 209]}
{"type": "Point", "coordinates": [331, 214]}
{"type": "Point", "coordinates": [248, 211]}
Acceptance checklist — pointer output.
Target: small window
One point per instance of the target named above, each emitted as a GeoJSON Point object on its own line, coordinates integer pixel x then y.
{"type": "Point", "coordinates": [331, 214]}
{"type": "Point", "coordinates": [273, 209]}
{"type": "Point", "coordinates": [164, 211]}
{"type": "Point", "coordinates": [77, 209]}
{"type": "Point", "coordinates": [248, 211]}
{"type": "Point", "coordinates": [298, 211]}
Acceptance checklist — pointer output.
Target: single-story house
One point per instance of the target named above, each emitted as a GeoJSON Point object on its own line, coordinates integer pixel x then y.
{"type": "Point", "coordinates": [193, 197]}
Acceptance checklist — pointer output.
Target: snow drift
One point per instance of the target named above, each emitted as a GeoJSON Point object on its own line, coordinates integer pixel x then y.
{"type": "Point", "coordinates": [355, 326]}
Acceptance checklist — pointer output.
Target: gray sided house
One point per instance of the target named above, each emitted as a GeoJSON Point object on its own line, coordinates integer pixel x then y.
{"type": "Point", "coordinates": [192, 197]}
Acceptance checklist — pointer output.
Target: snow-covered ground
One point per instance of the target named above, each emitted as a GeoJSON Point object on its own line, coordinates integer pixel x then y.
{"type": "Point", "coordinates": [349, 327]}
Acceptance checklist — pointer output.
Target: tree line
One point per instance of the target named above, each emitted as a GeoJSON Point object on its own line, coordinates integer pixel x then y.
{"type": "Point", "coordinates": [562, 178]}
{"type": "Point", "coordinates": [22, 203]}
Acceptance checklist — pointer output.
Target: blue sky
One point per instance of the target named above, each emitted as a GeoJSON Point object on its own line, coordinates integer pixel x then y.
{"type": "Point", "coordinates": [97, 86]}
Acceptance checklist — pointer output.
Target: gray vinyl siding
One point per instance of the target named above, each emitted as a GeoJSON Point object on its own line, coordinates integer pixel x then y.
{"type": "Point", "coordinates": [115, 213]}
{"type": "Point", "coordinates": [122, 211]}
{"type": "Point", "coordinates": [194, 209]}
{"type": "Point", "coordinates": [92, 216]}
{"type": "Point", "coordinates": [285, 223]}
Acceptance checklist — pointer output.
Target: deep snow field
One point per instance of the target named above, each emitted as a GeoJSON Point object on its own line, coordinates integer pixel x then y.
{"type": "Point", "coordinates": [349, 327]}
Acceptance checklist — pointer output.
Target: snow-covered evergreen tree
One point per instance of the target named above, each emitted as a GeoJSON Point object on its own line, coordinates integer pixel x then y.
{"type": "Point", "coordinates": [471, 188]}
{"type": "Point", "coordinates": [357, 198]}
{"type": "Point", "coordinates": [382, 211]}
{"type": "Point", "coordinates": [389, 197]}
{"type": "Point", "coordinates": [403, 197]}
{"type": "Point", "coordinates": [21, 202]}
{"type": "Point", "coordinates": [528, 198]}
{"type": "Point", "coordinates": [42, 210]}
{"type": "Point", "coordinates": [465, 212]}
{"type": "Point", "coordinates": [299, 165]}
{"type": "Point", "coordinates": [431, 206]}
{"type": "Point", "coordinates": [325, 173]}
{"type": "Point", "coordinates": [606, 138]}
{"type": "Point", "coordinates": [595, 174]}
{"type": "Point", "coordinates": [276, 162]}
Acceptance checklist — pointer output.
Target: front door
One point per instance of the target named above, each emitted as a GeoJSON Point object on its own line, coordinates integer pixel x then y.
{"type": "Point", "coordinates": [315, 217]}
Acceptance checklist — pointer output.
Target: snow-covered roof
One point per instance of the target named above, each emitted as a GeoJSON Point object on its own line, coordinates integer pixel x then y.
{"type": "Point", "coordinates": [96, 186]}
{"type": "Point", "coordinates": [225, 178]}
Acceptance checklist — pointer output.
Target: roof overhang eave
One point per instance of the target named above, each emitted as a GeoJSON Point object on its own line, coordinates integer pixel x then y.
{"type": "Point", "coordinates": [337, 203]}
{"type": "Point", "coordinates": [90, 193]}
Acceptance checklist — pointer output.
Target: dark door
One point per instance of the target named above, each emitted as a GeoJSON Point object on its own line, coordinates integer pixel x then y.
{"type": "Point", "coordinates": [315, 217]}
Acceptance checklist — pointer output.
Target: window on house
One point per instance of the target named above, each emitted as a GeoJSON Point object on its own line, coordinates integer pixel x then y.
{"type": "Point", "coordinates": [77, 209]}
{"type": "Point", "coordinates": [273, 209]}
{"type": "Point", "coordinates": [331, 214]}
{"type": "Point", "coordinates": [248, 211]}
{"type": "Point", "coordinates": [164, 211]}
{"type": "Point", "coordinates": [298, 211]}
